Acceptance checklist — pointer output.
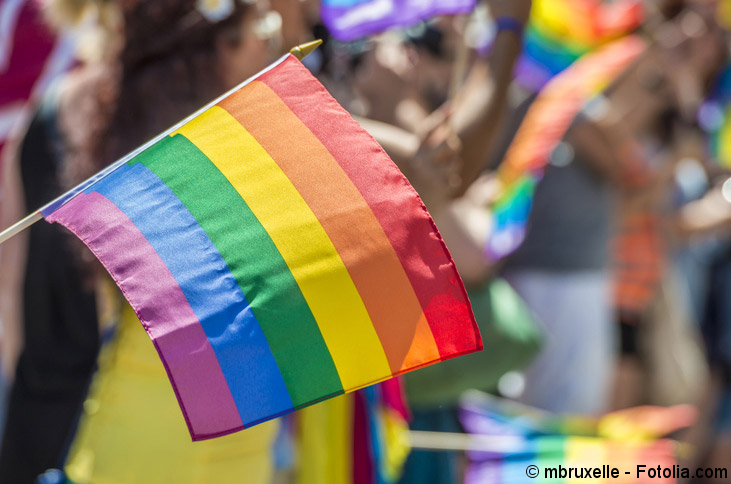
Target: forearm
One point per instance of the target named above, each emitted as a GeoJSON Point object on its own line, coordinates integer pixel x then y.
{"type": "Point", "coordinates": [399, 144]}
{"type": "Point", "coordinates": [597, 148]}
{"type": "Point", "coordinates": [478, 111]}
{"type": "Point", "coordinates": [710, 215]}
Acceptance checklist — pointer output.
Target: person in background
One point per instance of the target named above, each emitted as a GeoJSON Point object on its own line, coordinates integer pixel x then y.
{"type": "Point", "coordinates": [171, 57]}
{"type": "Point", "coordinates": [31, 57]}
{"type": "Point", "coordinates": [618, 150]}
{"type": "Point", "coordinates": [23, 399]}
{"type": "Point", "coordinates": [562, 272]}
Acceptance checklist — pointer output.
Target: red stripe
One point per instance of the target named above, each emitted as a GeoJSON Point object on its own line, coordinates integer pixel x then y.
{"type": "Point", "coordinates": [419, 246]}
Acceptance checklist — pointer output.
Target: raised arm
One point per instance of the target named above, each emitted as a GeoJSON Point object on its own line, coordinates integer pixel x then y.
{"type": "Point", "coordinates": [479, 106]}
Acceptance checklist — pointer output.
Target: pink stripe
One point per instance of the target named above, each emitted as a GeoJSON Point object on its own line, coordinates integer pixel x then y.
{"type": "Point", "coordinates": [147, 283]}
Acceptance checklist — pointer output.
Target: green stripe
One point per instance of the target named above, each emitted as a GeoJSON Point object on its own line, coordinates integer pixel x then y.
{"type": "Point", "coordinates": [551, 452]}
{"type": "Point", "coordinates": [257, 265]}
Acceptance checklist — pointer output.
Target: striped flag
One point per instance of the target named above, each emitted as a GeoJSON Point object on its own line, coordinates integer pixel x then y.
{"type": "Point", "coordinates": [544, 125]}
{"type": "Point", "coordinates": [562, 31]}
{"type": "Point", "coordinates": [543, 447]}
{"type": "Point", "coordinates": [352, 19]}
{"type": "Point", "coordinates": [274, 254]}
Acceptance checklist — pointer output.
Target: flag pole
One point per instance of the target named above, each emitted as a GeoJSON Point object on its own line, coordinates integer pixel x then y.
{"type": "Point", "coordinates": [419, 439]}
{"type": "Point", "coordinates": [20, 226]}
{"type": "Point", "coordinates": [300, 52]}
{"type": "Point", "coordinates": [303, 50]}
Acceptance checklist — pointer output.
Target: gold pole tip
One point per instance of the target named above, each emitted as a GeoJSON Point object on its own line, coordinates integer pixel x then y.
{"type": "Point", "coordinates": [303, 50]}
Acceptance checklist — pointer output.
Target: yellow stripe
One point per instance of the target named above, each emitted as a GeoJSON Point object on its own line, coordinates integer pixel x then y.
{"type": "Point", "coordinates": [310, 255]}
{"type": "Point", "coordinates": [724, 144]}
{"type": "Point", "coordinates": [585, 452]}
{"type": "Point", "coordinates": [325, 442]}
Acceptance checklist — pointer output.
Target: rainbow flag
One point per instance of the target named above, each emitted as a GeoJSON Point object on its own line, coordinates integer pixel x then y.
{"type": "Point", "coordinates": [534, 438]}
{"type": "Point", "coordinates": [561, 31]}
{"type": "Point", "coordinates": [576, 453]}
{"type": "Point", "coordinates": [274, 254]}
{"type": "Point", "coordinates": [380, 433]}
{"type": "Point", "coordinates": [545, 123]}
{"type": "Point", "coordinates": [352, 19]}
{"type": "Point", "coordinates": [358, 438]}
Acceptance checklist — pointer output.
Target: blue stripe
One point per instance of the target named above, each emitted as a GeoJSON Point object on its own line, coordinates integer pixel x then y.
{"type": "Point", "coordinates": [374, 404]}
{"type": "Point", "coordinates": [343, 3]}
{"type": "Point", "coordinates": [227, 319]}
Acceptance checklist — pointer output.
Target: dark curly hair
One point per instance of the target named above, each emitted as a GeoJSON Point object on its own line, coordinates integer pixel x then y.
{"type": "Point", "coordinates": [164, 68]}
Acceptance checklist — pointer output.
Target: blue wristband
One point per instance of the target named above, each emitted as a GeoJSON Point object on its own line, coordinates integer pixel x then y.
{"type": "Point", "coordinates": [509, 23]}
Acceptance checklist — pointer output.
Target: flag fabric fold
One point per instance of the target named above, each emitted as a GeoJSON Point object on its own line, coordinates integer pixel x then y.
{"type": "Point", "coordinates": [274, 254]}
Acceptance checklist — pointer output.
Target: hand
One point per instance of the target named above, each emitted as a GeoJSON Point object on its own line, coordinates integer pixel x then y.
{"type": "Point", "coordinates": [647, 422]}
{"type": "Point", "coordinates": [517, 9]}
{"type": "Point", "coordinates": [438, 157]}
{"type": "Point", "coordinates": [485, 191]}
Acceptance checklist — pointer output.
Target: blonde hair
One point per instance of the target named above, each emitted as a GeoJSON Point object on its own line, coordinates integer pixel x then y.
{"type": "Point", "coordinates": [97, 23]}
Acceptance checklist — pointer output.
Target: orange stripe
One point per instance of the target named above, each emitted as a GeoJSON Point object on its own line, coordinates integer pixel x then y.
{"type": "Point", "coordinates": [355, 232]}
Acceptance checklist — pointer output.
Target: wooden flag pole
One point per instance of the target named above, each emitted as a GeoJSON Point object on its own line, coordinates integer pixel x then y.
{"type": "Point", "coordinates": [300, 52]}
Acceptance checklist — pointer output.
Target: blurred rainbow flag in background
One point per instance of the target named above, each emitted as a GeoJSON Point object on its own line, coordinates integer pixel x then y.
{"type": "Point", "coordinates": [352, 19]}
{"type": "Point", "coordinates": [622, 439]}
{"type": "Point", "coordinates": [274, 253]}
{"type": "Point", "coordinates": [543, 127]}
{"type": "Point", "coordinates": [358, 438]}
{"type": "Point", "coordinates": [561, 31]}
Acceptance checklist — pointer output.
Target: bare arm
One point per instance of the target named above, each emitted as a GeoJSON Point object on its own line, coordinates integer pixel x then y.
{"type": "Point", "coordinates": [478, 108]}
{"type": "Point", "coordinates": [398, 143]}
{"type": "Point", "coordinates": [13, 255]}
{"type": "Point", "coordinates": [482, 105]}
{"type": "Point", "coordinates": [710, 215]}
{"type": "Point", "coordinates": [401, 145]}
{"type": "Point", "coordinates": [597, 148]}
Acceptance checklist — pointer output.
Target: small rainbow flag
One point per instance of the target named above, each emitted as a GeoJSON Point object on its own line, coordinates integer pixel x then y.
{"type": "Point", "coordinates": [552, 458]}
{"type": "Point", "coordinates": [274, 254]}
{"type": "Point", "coordinates": [352, 19]}
{"type": "Point", "coordinates": [561, 31]}
{"type": "Point", "coordinates": [358, 438]}
{"type": "Point", "coordinates": [545, 123]}
{"type": "Point", "coordinates": [549, 443]}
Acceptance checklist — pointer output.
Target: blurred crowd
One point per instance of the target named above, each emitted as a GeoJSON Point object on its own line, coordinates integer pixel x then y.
{"type": "Point", "coordinates": [574, 154]}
